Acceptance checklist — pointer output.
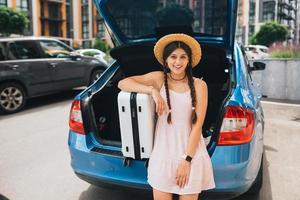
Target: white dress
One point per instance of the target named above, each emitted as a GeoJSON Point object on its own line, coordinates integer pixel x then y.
{"type": "Point", "coordinates": [169, 146]}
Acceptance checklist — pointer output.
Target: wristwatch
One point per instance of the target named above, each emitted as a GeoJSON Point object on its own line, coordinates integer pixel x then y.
{"type": "Point", "coordinates": [187, 158]}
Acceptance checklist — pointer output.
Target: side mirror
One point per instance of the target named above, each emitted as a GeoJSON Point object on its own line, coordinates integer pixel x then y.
{"type": "Point", "coordinates": [258, 66]}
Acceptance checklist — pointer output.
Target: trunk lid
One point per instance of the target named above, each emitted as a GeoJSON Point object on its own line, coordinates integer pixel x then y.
{"type": "Point", "coordinates": [131, 21]}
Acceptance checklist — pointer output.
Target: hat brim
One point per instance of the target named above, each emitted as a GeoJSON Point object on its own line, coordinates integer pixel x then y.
{"type": "Point", "coordinates": [188, 40]}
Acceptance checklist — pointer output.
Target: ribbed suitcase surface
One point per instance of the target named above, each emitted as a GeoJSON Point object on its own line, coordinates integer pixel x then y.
{"type": "Point", "coordinates": [137, 123]}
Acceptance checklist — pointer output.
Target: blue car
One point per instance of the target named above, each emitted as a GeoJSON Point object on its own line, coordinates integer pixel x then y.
{"type": "Point", "coordinates": [234, 123]}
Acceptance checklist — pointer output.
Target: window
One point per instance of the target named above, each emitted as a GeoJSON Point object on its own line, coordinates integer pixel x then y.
{"type": "Point", "coordinates": [268, 11]}
{"type": "Point", "coordinates": [54, 10]}
{"type": "Point", "coordinates": [23, 50]}
{"type": "Point", "coordinates": [101, 27]}
{"type": "Point", "coordinates": [22, 5]}
{"type": "Point", "coordinates": [251, 29]}
{"type": "Point", "coordinates": [54, 28]}
{"type": "Point", "coordinates": [85, 19]}
{"type": "Point", "coordinates": [69, 19]}
{"type": "Point", "coordinates": [3, 3]}
{"type": "Point", "coordinates": [54, 49]}
{"type": "Point", "coordinates": [252, 13]}
{"type": "Point", "coordinates": [51, 22]}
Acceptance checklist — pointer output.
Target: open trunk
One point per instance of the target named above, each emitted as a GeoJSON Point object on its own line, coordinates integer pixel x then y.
{"type": "Point", "coordinates": [137, 59]}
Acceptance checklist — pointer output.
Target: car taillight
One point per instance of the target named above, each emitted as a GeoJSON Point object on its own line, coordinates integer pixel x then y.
{"type": "Point", "coordinates": [237, 126]}
{"type": "Point", "coordinates": [75, 120]}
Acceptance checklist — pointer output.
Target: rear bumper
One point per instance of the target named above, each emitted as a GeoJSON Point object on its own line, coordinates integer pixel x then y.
{"type": "Point", "coordinates": [234, 171]}
{"type": "Point", "coordinates": [108, 184]}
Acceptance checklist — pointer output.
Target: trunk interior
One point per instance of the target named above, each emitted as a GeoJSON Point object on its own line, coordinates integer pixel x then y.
{"type": "Point", "coordinates": [139, 59]}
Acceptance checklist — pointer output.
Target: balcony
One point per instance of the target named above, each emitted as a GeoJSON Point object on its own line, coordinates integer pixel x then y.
{"type": "Point", "coordinates": [285, 16]}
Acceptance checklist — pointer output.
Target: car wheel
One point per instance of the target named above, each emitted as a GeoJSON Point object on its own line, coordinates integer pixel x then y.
{"type": "Point", "coordinates": [95, 75]}
{"type": "Point", "coordinates": [255, 188]}
{"type": "Point", "coordinates": [12, 98]}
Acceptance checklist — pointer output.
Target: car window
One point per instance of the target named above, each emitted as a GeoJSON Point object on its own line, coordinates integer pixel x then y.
{"type": "Point", "coordinates": [54, 49]}
{"type": "Point", "coordinates": [246, 61]}
{"type": "Point", "coordinates": [264, 50]}
{"type": "Point", "coordinates": [2, 55]}
{"type": "Point", "coordinates": [23, 50]}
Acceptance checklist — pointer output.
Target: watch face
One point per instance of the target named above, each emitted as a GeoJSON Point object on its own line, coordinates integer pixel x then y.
{"type": "Point", "coordinates": [188, 158]}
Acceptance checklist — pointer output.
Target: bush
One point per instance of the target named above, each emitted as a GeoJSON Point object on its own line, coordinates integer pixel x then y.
{"type": "Point", "coordinates": [269, 33]}
{"type": "Point", "coordinates": [101, 45]}
{"type": "Point", "coordinates": [12, 21]}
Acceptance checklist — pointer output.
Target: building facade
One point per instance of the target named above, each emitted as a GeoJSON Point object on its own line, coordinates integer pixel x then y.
{"type": "Point", "coordinates": [78, 23]}
{"type": "Point", "coordinates": [74, 22]}
{"type": "Point", "coordinates": [253, 13]}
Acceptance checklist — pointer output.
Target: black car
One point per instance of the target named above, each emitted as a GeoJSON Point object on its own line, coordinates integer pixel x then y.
{"type": "Point", "coordinates": [37, 66]}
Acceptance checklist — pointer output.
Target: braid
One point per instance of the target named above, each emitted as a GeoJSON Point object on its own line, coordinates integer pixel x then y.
{"type": "Point", "coordinates": [193, 93]}
{"type": "Point", "coordinates": [169, 118]}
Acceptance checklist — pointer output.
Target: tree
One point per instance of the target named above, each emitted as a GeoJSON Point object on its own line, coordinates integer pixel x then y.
{"type": "Point", "coordinates": [12, 21]}
{"type": "Point", "coordinates": [101, 45]}
{"type": "Point", "coordinates": [270, 32]}
{"type": "Point", "coordinates": [174, 15]}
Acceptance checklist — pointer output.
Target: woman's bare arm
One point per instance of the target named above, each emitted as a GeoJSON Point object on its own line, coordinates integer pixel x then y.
{"type": "Point", "coordinates": [148, 83]}
{"type": "Point", "coordinates": [141, 83]}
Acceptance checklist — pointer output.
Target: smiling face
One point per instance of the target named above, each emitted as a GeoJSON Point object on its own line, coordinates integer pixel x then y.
{"type": "Point", "coordinates": [177, 61]}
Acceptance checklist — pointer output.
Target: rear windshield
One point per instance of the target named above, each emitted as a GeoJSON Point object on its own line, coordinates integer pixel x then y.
{"type": "Point", "coordinates": [138, 19]}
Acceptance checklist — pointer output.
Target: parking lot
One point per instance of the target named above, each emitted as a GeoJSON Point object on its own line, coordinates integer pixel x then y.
{"type": "Point", "coordinates": [35, 162]}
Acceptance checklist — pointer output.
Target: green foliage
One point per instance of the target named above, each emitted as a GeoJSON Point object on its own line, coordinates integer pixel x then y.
{"type": "Point", "coordinates": [253, 40]}
{"type": "Point", "coordinates": [270, 32]}
{"type": "Point", "coordinates": [285, 54]}
{"type": "Point", "coordinates": [174, 14]}
{"type": "Point", "coordinates": [101, 45]}
{"type": "Point", "coordinates": [282, 51]}
{"type": "Point", "coordinates": [12, 21]}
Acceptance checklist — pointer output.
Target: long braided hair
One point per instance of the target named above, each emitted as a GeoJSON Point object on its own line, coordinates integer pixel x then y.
{"type": "Point", "coordinates": [167, 52]}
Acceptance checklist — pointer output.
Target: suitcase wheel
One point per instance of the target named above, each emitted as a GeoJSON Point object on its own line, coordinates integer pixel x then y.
{"type": "Point", "coordinates": [126, 162]}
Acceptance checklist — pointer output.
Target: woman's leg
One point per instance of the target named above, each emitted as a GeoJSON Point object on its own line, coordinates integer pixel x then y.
{"type": "Point", "coordinates": [189, 197]}
{"type": "Point", "coordinates": [159, 195]}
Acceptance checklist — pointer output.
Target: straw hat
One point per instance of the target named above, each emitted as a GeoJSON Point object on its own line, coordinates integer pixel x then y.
{"type": "Point", "coordinates": [188, 40]}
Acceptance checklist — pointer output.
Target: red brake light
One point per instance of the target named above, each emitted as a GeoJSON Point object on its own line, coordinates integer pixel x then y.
{"type": "Point", "coordinates": [237, 126]}
{"type": "Point", "coordinates": [75, 120]}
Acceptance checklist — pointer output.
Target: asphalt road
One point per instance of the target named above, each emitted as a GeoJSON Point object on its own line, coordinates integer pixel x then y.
{"type": "Point", "coordinates": [35, 162]}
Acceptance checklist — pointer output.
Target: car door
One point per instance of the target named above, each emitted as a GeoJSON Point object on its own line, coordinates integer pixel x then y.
{"type": "Point", "coordinates": [67, 71]}
{"type": "Point", "coordinates": [25, 61]}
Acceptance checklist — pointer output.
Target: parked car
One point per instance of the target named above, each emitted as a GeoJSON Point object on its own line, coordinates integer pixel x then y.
{"type": "Point", "coordinates": [257, 51]}
{"type": "Point", "coordinates": [34, 66]}
{"type": "Point", "coordinates": [234, 121]}
{"type": "Point", "coordinates": [93, 53]}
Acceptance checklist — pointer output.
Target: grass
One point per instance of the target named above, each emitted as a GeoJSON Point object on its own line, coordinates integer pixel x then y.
{"type": "Point", "coordinates": [281, 51]}
{"type": "Point", "coordinates": [285, 54]}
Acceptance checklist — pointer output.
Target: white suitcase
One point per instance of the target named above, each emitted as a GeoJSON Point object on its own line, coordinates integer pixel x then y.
{"type": "Point", "coordinates": [137, 123]}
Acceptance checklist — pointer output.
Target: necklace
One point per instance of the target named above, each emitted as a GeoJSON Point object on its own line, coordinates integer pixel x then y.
{"type": "Point", "coordinates": [178, 79]}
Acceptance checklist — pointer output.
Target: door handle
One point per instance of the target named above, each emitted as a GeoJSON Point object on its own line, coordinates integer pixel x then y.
{"type": "Point", "coordinates": [53, 65]}
{"type": "Point", "coordinates": [14, 67]}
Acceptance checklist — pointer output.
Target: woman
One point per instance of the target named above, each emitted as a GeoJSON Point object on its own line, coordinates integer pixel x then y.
{"type": "Point", "coordinates": [179, 163]}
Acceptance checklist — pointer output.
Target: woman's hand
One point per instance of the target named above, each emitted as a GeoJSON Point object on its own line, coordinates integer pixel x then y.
{"type": "Point", "coordinates": [183, 173]}
{"type": "Point", "coordinates": [159, 101]}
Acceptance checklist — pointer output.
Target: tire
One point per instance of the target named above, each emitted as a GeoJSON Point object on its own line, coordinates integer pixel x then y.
{"type": "Point", "coordinates": [95, 75]}
{"type": "Point", "coordinates": [255, 188]}
{"type": "Point", "coordinates": [12, 98]}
